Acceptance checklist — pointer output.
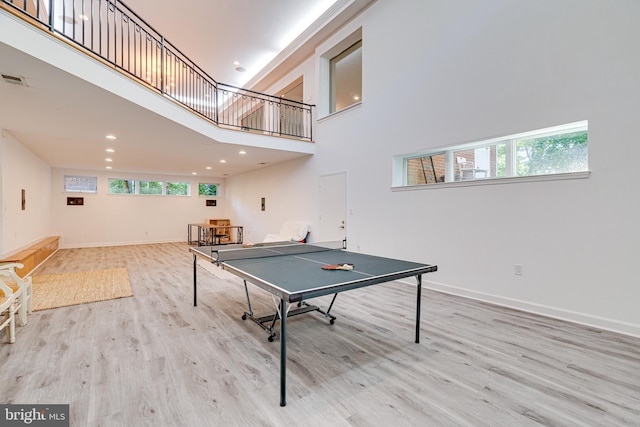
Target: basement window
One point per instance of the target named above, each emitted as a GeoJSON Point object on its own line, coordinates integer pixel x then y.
{"type": "Point", "coordinates": [558, 152]}
{"type": "Point", "coordinates": [80, 184]}
{"type": "Point", "coordinates": [208, 190]}
{"type": "Point", "coordinates": [177, 189]}
{"type": "Point", "coordinates": [122, 186]}
{"type": "Point", "coordinates": [151, 187]}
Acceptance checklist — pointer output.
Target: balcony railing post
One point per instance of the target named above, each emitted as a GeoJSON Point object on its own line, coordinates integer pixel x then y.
{"type": "Point", "coordinates": [215, 104]}
{"type": "Point", "coordinates": [162, 72]}
{"type": "Point", "coordinates": [51, 15]}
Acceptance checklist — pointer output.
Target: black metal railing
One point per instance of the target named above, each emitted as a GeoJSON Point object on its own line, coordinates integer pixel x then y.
{"type": "Point", "coordinates": [114, 33]}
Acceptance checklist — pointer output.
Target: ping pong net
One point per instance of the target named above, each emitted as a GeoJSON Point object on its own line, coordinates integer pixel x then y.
{"type": "Point", "coordinates": [272, 249]}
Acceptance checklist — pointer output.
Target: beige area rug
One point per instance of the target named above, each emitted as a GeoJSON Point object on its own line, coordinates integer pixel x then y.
{"type": "Point", "coordinates": [65, 289]}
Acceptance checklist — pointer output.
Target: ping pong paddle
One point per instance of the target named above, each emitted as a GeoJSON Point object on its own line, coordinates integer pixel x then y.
{"type": "Point", "coordinates": [338, 267]}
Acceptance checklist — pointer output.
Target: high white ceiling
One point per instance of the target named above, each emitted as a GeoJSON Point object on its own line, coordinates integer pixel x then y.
{"type": "Point", "coordinates": [216, 33]}
{"type": "Point", "coordinates": [64, 119]}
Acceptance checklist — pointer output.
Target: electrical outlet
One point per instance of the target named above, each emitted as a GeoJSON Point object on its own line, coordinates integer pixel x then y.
{"type": "Point", "coordinates": [517, 269]}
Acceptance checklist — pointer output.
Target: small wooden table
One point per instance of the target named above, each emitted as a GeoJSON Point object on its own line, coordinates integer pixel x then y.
{"type": "Point", "coordinates": [212, 235]}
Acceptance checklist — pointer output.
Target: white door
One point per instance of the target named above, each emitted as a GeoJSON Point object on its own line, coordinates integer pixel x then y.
{"type": "Point", "coordinates": [333, 208]}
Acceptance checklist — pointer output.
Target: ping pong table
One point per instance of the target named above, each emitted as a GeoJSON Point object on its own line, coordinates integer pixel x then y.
{"type": "Point", "coordinates": [292, 272]}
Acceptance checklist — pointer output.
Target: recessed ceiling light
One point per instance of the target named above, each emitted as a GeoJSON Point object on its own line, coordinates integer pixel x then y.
{"type": "Point", "coordinates": [208, 168]}
{"type": "Point", "coordinates": [223, 161]}
{"type": "Point", "coordinates": [108, 160]}
{"type": "Point", "coordinates": [356, 97]}
{"type": "Point", "coordinates": [236, 63]}
{"type": "Point", "coordinates": [107, 167]}
{"type": "Point", "coordinates": [110, 137]}
{"type": "Point", "coordinates": [194, 173]}
{"type": "Point", "coordinates": [242, 152]}
{"type": "Point", "coordinates": [110, 150]}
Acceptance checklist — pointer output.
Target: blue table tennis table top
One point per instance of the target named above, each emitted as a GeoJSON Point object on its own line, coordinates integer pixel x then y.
{"type": "Point", "coordinates": [294, 272]}
{"type": "Point", "coordinates": [299, 275]}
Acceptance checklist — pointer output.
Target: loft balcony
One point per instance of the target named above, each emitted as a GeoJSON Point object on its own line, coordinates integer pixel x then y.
{"type": "Point", "coordinates": [114, 34]}
{"type": "Point", "coordinates": [115, 42]}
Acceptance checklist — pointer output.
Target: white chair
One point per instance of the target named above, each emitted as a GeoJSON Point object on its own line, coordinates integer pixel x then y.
{"type": "Point", "coordinates": [296, 231]}
{"type": "Point", "coordinates": [466, 168]}
{"type": "Point", "coordinates": [22, 290]}
{"type": "Point", "coordinates": [7, 310]}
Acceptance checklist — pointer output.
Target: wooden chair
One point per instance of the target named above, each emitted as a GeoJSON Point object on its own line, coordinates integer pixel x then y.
{"type": "Point", "coordinates": [22, 290]}
{"type": "Point", "coordinates": [7, 309]}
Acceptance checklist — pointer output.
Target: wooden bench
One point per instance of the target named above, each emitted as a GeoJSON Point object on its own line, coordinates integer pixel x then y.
{"type": "Point", "coordinates": [34, 255]}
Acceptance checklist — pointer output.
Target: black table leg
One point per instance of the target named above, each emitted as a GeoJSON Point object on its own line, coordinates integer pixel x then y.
{"type": "Point", "coordinates": [419, 292]}
{"type": "Point", "coordinates": [283, 352]}
{"type": "Point", "coordinates": [195, 280]}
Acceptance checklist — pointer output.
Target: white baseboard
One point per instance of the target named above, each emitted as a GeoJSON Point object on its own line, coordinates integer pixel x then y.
{"type": "Point", "coordinates": [542, 310]}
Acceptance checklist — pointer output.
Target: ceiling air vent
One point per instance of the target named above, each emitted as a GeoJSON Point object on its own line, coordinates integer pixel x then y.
{"type": "Point", "coordinates": [14, 80]}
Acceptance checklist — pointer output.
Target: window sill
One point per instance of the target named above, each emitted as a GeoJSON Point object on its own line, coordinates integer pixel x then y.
{"type": "Point", "coordinates": [494, 181]}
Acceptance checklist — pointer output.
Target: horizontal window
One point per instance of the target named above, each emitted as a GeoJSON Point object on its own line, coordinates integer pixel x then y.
{"type": "Point", "coordinates": [208, 190]}
{"type": "Point", "coordinates": [130, 186]}
{"type": "Point", "coordinates": [80, 184]}
{"type": "Point", "coordinates": [176, 189]}
{"type": "Point", "coordinates": [122, 186]}
{"type": "Point", "coordinates": [151, 187]}
{"type": "Point", "coordinates": [550, 151]}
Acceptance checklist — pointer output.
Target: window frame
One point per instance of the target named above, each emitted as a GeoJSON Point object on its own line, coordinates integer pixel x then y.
{"type": "Point", "coordinates": [333, 78]}
{"type": "Point", "coordinates": [400, 167]}
{"type": "Point", "coordinates": [165, 188]}
{"type": "Point", "coordinates": [93, 179]}
{"type": "Point", "coordinates": [209, 183]}
{"type": "Point", "coordinates": [324, 75]}
{"type": "Point", "coordinates": [138, 184]}
{"type": "Point", "coordinates": [146, 181]}
{"type": "Point", "coordinates": [132, 181]}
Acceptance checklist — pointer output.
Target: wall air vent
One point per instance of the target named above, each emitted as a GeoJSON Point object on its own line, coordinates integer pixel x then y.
{"type": "Point", "coordinates": [14, 80]}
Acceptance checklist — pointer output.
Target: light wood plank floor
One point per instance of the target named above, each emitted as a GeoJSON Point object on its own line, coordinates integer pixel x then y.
{"type": "Point", "coordinates": [155, 360]}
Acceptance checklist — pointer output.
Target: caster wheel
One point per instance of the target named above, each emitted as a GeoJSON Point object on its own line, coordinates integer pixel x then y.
{"type": "Point", "coordinates": [332, 321]}
{"type": "Point", "coordinates": [244, 317]}
{"type": "Point", "coordinates": [271, 337]}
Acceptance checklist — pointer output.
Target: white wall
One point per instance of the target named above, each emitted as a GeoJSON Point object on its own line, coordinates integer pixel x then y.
{"type": "Point", "coordinates": [283, 187]}
{"type": "Point", "coordinates": [438, 73]}
{"type": "Point", "coordinates": [434, 73]}
{"type": "Point", "coordinates": [110, 219]}
{"type": "Point", "coordinates": [20, 169]}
